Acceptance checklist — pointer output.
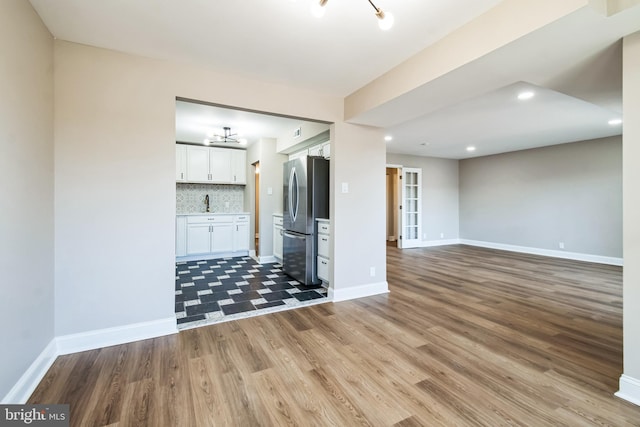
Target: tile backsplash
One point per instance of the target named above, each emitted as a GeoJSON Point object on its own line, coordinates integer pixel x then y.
{"type": "Point", "coordinates": [190, 198]}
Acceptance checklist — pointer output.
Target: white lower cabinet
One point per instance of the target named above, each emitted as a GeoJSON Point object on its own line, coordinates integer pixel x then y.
{"type": "Point", "coordinates": [181, 236]}
{"type": "Point", "coordinates": [241, 233]}
{"type": "Point", "coordinates": [323, 261]}
{"type": "Point", "coordinates": [277, 237]}
{"type": "Point", "coordinates": [209, 235]}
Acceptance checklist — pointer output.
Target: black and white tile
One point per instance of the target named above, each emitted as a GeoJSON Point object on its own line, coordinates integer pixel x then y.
{"type": "Point", "coordinates": [211, 291]}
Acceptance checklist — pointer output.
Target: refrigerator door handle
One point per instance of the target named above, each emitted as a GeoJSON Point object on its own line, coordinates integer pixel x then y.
{"type": "Point", "coordinates": [295, 236]}
{"type": "Point", "coordinates": [293, 195]}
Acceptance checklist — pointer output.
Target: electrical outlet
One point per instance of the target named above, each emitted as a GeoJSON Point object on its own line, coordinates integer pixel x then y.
{"type": "Point", "coordinates": [226, 205]}
{"type": "Point", "coordinates": [424, 236]}
{"type": "Point", "coordinates": [442, 235]}
{"type": "Point", "coordinates": [561, 245]}
{"type": "Point", "coordinates": [372, 271]}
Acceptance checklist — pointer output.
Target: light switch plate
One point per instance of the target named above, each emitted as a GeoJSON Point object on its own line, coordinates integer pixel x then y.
{"type": "Point", "coordinates": [345, 187]}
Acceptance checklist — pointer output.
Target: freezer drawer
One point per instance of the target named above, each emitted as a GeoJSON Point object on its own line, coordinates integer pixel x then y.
{"type": "Point", "coordinates": [298, 257]}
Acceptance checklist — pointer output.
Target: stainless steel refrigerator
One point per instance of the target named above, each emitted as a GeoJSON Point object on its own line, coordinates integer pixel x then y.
{"type": "Point", "coordinates": [306, 197]}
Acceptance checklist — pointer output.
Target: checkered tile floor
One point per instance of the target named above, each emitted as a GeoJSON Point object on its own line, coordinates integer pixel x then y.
{"type": "Point", "coordinates": [213, 289]}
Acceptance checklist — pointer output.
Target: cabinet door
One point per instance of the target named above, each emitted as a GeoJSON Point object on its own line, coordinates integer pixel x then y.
{"type": "Point", "coordinates": [181, 163]}
{"type": "Point", "coordinates": [197, 164]}
{"type": "Point", "coordinates": [220, 165]}
{"type": "Point", "coordinates": [326, 150]}
{"type": "Point", "coordinates": [198, 239]}
{"type": "Point", "coordinates": [239, 166]}
{"type": "Point", "coordinates": [181, 236]}
{"type": "Point", "coordinates": [222, 237]}
{"type": "Point", "coordinates": [277, 241]}
{"type": "Point", "coordinates": [241, 236]}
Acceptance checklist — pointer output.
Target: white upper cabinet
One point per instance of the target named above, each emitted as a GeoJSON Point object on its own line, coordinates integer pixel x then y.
{"type": "Point", "coordinates": [198, 164]}
{"type": "Point", "coordinates": [220, 165]}
{"type": "Point", "coordinates": [211, 165]}
{"type": "Point", "coordinates": [238, 166]}
{"type": "Point", "coordinates": [181, 163]}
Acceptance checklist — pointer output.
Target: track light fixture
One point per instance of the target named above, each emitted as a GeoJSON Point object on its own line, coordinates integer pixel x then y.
{"type": "Point", "coordinates": [385, 19]}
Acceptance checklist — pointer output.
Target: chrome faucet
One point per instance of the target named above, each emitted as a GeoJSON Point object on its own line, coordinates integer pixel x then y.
{"type": "Point", "coordinates": [206, 203]}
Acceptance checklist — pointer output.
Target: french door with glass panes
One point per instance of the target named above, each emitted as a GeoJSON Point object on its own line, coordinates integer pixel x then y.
{"type": "Point", "coordinates": [411, 218]}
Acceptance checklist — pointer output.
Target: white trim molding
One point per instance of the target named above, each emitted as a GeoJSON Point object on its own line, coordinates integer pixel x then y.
{"type": "Point", "coordinates": [545, 252]}
{"type": "Point", "coordinates": [629, 389]}
{"type": "Point", "coordinates": [91, 340]}
{"type": "Point", "coordinates": [361, 291]}
{"type": "Point", "coordinates": [432, 243]}
{"type": "Point", "coordinates": [22, 390]}
{"type": "Point", "coordinates": [269, 259]}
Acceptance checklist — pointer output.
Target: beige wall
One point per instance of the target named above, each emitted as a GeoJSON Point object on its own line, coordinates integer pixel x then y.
{"type": "Point", "coordinates": [26, 193]}
{"type": "Point", "coordinates": [570, 193]}
{"type": "Point", "coordinates": [115, 190]}
{"type": "Point", "coordinates": [631, 178]}
{"type": "Point", "coordinates": [358, 216]}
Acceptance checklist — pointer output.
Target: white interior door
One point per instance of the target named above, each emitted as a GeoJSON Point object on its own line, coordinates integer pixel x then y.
{"type": "Point", "coordinates": [411, 216]}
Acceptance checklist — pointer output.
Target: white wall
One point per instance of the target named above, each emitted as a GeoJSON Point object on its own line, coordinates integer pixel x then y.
{"type": "Point", "coordinates": [270, 178]}
{"type": "Point", "coordinates": [439, 194]}
{"type": "Point", "coordinates": [26, 193]}
{"type": "Point", "coordinates": [570, 193]}
{"type": "Point", "coordinates": [631, 276]}
{"type": "Point", "coordinates": [271, 162]}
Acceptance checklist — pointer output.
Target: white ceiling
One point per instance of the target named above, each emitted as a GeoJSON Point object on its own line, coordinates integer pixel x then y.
{"type": "Point", "coordinates": [497, 122]}
{"type": "Point", "coordinates": [573, 64]}
{"type": "Point", "coordinates": [194, 121]}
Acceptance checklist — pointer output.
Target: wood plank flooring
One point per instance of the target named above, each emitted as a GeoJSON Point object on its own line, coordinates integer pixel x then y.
{"type": "Point", "coordinates": [467, 337]}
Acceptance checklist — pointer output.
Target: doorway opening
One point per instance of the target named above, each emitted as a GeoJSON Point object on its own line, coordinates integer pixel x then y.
{"type": "Point", "coordinates": [256, 217]}
{"type": "Point", "coordinates": [393, 206]}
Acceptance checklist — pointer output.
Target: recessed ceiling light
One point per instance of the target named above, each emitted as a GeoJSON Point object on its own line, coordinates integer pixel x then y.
{"type": "Point", "coordinates": [471, 148]}
{"type": "Point", "coordinates": [526, 95]}
{"type": "Point", "coordinates": [388, 138]}
{"type": "Point", "coordinates": [615, 122]}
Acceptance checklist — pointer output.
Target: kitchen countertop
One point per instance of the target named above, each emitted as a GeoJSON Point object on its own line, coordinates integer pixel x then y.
{"type": "Point", "coordinates": [212, 213]}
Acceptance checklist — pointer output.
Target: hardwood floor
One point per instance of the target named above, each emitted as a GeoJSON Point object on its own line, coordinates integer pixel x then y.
{"type": "Point", "coordinates": [467, 336]}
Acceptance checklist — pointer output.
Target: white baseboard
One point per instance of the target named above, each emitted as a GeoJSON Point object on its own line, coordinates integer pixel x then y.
{"type": "Point", "coordinates": [212, 256]}
{"type": "Point", "coordinates": [21, 391]}
{"type": "Point", "coordinates": [432, 243]}
{"type": "Point", "coordinates": [545, 252]}
{"type": "Point", "coordinates": [358, 291]}
{"type": "Point", "coordinates": [91, 340]}
{"type": "Point", "coordinates": [629, 389]}
{"type": "Point", "coordinates": [270, 259]}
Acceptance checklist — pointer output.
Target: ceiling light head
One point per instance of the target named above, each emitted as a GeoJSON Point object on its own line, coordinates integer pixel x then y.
{"type": "Point", "coordinates": [317, 8]}
{"type": "Point", "coordinates": [385, 20]}
{"type": "Point", "coordinates": [471, 148]}
{"type": "Point", "coordinates": [523, 96]}
{"type": "Point", "coordinates": [388, 138]}
{"type": "Point", "coordinates": [615, 122]}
